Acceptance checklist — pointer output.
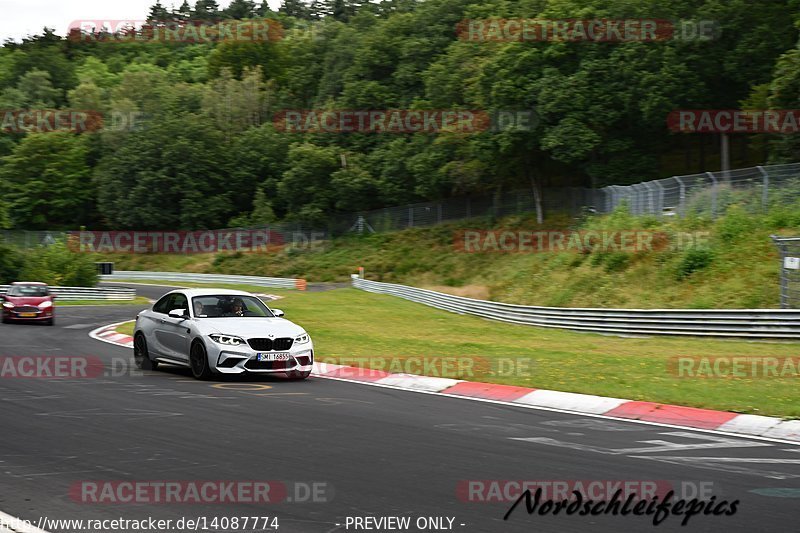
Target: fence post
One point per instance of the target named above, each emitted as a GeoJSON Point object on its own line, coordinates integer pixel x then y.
{"type": "Point", "coordinates": [713, 194]}
{"type": "Point", "coordinates": [765, 191]}
{"type": "Point", "coordinates": [660, 200]}
{"type": "Point", "coordinates": [681, 197]}
{"type": "Point", "coordinates": [410, 217]}
{"type": "Point", "coordinates": [639, 198]}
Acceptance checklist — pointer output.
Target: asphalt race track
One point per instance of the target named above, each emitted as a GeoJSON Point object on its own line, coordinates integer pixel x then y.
{"type": "Point", "coordinates": [372, 451]}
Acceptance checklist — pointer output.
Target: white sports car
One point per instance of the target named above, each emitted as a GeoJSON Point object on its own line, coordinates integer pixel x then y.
{"type": "Point", "coordinates": [219, 331]}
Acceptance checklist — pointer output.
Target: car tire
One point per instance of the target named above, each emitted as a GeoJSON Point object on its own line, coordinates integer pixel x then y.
{"type": "Point", "coordinates": [141, 356]}
{"type": "Point", "coordinates": [51, 321]}
{"type": "Point", "coordinates": [198, 362]}
{"type": "Point", "coordinates": [298, 374]}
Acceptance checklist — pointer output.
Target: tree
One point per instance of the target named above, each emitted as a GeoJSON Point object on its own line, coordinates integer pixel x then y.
{"type": "Point", "coordinates": [240, 9]}
{"type": "Point", "coordinates": [46, 181]}
{"type": "Point", "coordinates": [38, 90]}
{"type": "Point", "coordinates": [206, 11]}
{"type": "Point", "coordinates": [159, 13]}
{"type": "Point", "coordinates": [182, 14]}
{"type": "Point", "coordinates": [185, 159]}
{"type": "Point", "coordinates": [294, 8]}
{"type": "Point", "coordinates": [305, 187]}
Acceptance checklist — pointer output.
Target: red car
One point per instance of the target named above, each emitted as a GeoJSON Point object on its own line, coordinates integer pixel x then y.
{"type": "Point", "coordinates": [27, 300]}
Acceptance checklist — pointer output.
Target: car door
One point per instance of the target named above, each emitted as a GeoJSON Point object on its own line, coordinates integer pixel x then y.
{"type": "Point", "coordinates": [151, 325]}
{"type": "Point", "coordinates": [174, 332]}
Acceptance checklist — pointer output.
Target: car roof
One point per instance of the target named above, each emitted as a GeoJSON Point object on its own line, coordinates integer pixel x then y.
{"type": "Point", "coordinates": [211, 292]}
{"type": "Point", "coordinates": [30, 283]}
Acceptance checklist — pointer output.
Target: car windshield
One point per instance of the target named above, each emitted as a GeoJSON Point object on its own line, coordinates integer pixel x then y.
{"type": "Point", "coordinates": [225, 305]}
{"type": "Point", "coordinates": [28, 290]}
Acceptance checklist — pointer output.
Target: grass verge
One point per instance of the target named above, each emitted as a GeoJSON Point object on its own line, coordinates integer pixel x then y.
{"type": "Point", "coordinates": [126, 328]}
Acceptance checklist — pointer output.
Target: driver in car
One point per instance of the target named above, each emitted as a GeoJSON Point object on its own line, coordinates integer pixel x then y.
{"type": "Point", "coordinates": [198, 308]}
{"type": "Point", "coordinates": [237, 307]}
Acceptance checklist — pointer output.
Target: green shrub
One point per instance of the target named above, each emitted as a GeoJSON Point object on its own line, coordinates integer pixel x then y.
{"type": "Point", "coordinates": [10, 264]}
{"type": "Point", "coordinates": [616, 262]}
{"type": "Point", "coordinates": [57, 265]}
{"type": "Point", "coordinates": [736, 225]}
{"type": "Point", "coordinates": [693, 260]}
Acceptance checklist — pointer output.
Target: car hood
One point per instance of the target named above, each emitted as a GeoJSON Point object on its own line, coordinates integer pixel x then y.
{"type": "Point", "coordinates": [27, 300]}
{"type": "Point", "coordinates": [249, 327]}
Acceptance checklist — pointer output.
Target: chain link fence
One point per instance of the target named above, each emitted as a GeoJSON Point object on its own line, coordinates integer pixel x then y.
{"type": "Point", "coordinates": [710, 193]}
{"type": "Point", "coordinates": [789, 248]}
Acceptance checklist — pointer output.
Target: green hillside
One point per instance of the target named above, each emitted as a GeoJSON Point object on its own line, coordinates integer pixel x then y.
{"type": "Point", "coordinates": [734, 265]}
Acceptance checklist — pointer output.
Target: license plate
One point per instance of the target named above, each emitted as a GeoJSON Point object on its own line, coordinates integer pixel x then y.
{"type": "Point", "coordinates": [27, 315]}
{"type": "Point", "coordinates": [272, 357]}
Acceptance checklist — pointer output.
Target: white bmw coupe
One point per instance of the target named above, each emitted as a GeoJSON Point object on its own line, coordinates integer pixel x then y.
{"type": "Point", "coordinates": [218, 331]}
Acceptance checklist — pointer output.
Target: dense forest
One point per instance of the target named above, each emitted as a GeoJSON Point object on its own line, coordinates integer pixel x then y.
{"type": "Point", "coordinates": [200, 148]}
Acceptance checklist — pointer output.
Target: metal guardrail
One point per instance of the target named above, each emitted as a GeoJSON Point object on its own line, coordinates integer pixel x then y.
{"type": "Point", "coordinates": [751, 323]}
{"type": "Point", "coordinates": [285, 283]}
{"type": "Point", "coordinates": [88, 293]}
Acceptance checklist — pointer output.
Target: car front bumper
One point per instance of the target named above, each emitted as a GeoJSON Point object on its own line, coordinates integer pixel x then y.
{"type": "Point", "coordinates": [39, 314]}
{"type": "Point", "coordinates": [240, 360]}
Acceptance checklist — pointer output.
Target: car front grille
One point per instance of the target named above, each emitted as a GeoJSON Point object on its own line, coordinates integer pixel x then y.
{"type": "Point", "coordinates": [26, 309]}
{"type": "Point", "coordinates": [280, 344]}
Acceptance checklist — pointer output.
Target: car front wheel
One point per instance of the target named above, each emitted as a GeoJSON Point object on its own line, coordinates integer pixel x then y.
{"type": "Point", "coordinates": [198, 360]}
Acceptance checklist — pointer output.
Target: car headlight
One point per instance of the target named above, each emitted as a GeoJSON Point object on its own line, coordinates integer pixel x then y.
{"type": "Point", "coordinates": [302, 339]}
{"type": "Point", "coordinates": [8, 305]}
{"type": "Point", "coordinates": [228, 340]}
{"type": "Point", "coordinates": [45, 305]}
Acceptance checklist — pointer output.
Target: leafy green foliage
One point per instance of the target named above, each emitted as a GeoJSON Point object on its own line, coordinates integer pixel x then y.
{"type": "Point", "coordinates": [10, 264]}
{"type": "Point", "coordinates": [202, 151]}
{"type": "Point", "coordinates": [693, 260]}
{"type": "Point", "coordinates": [58, 265]}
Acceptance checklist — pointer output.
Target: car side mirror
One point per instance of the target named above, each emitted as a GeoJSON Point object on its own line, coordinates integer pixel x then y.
{"type": "Point", "coordinates": [278, 313]}
{"type": "Point", "coordinates": [178, 313]}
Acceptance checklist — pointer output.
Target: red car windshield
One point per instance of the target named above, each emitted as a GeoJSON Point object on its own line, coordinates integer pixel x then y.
{"type": "Point", "coordinates": [27, 291]}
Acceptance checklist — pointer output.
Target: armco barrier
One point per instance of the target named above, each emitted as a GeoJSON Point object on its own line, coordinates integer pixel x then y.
{"type": "Point", "coordinates": [754, 323]}
{"type": "Point", "coordinates": [88, 293]}
{"type": "Point", "coordinates": [285, 283]}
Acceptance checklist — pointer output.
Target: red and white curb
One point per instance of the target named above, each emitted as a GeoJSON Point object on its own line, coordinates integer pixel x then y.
{"type": "Point", "coordinates": [108, 334]}
{"type": "Point", "coordinates": [677, 416]}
